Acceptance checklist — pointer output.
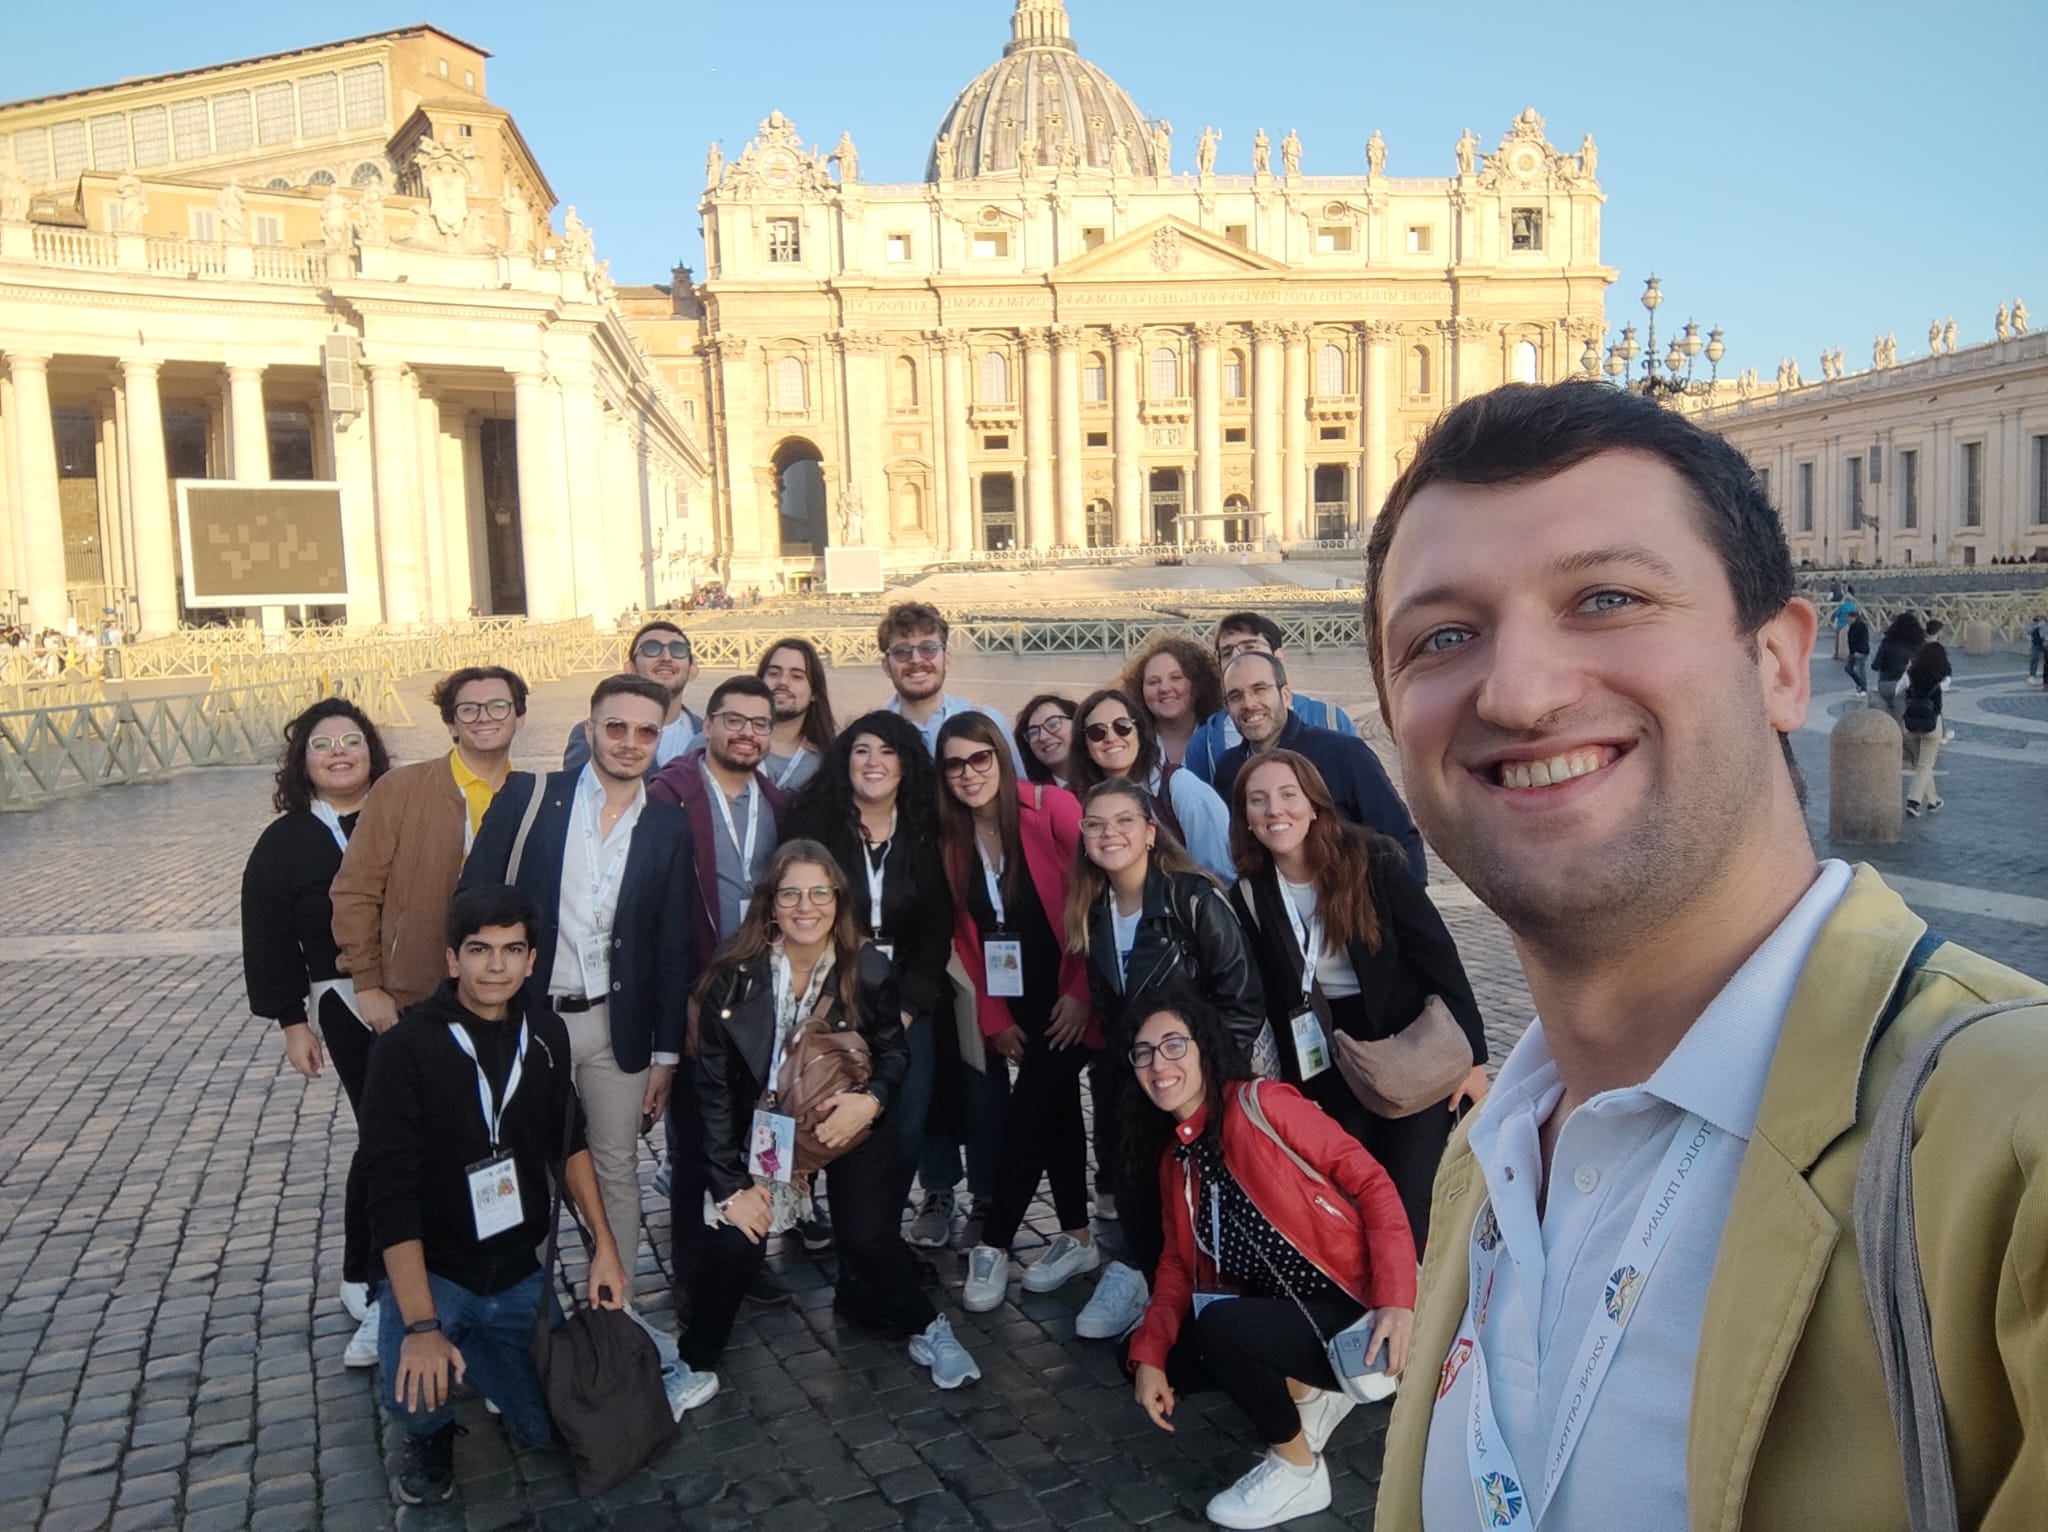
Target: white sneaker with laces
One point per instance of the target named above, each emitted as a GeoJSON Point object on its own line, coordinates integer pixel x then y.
{"type": "Point", "coordinates": [687, 1388]}
{"type": "Point", "coordinates": [362, 1346]}
{"type": "Point", "coordinates": [933, 1225]}
{"type": "Point", "coordinates": [1273, 1492]}
{"type": "Point", "coordinates": [937, 1347]}
{"type": "Point", "coordinates": [1116, 1306]}
{"type": "Point", "coordinates": [1064, 1259]}
{"type": "Point", "coordinates": [988, 1279]}
{"type": "Point", "coordinates": [355, 1297]}
{"type": "Point", "coordinates": [1321, 1413]}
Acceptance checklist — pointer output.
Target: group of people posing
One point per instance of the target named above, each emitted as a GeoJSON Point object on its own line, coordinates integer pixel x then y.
{"type": "Point", "coordinates": [849, 965]}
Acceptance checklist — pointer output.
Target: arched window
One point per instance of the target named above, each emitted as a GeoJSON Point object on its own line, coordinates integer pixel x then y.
{"type": "Point", "coordinates": [1330, 371]}
{"type": "Point", "coordinates": [1095, 379]}
{"type": "Point", "coordinates": [1101, 524]}
{"type": "Point", "coordinates": [1238, 529]}
{"type": "Point", "coordinates": [367, 173]}
{"type": "Point", "coordinates": [1524, 370]}
{"type": "Point", "coordinates": [1418, 370]}
{"type": "Point", "coordinates": [903, 384]}
{"type": "Point", "coordinates": [995, 378]}
{"type": "Point", "coordinates": [910, 506]}
{"type": "Point", "coordinates": [280, 183]}
{"type": "Point", "coordinates": [800, 499]}
{"type": "Point", "coordinates": [320, 178]}
{"type": "Point", "coordinates": [1233, 375]}
{"type": "Point", "coordinates": [790, 390]}
{"type": "Point", "coordinates": [1165, 373]}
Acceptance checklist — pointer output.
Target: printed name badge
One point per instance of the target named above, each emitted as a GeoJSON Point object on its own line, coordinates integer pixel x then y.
{"type": "Point", "coordinates": [494, 1196]}
{"type": "Point", "coordinates": [594, 953]}
{"type": "Point", "coordinates": [771, 1147]}
{"type": "Point", "coordinates": [1203, 1300]}
{"type": "Point", "coordinates": [1004, 960]}
{"type": "Point", "coordinates": [1311, 1047]}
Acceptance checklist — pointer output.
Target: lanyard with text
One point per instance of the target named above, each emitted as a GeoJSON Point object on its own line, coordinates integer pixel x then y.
{"type": "Point", "coordinates": [874, 863]}
{"type": "Point", "coordinates": [495, 1202]}
{"type": "Point", "coordinates": [724, 803]}
{"type": "Point", "coordinates": [328, 815]}
{"type": "Point", "coordinates": [1308, 936]}
{"type": "Point", "coordinates": [1497, 1483]}
{"type": "Point", "coordinates": [494, 1116]}
{"type": "Point", "coordinates": [1311, 1044]}
{"type": "Point", "coordinates": [771, 1141]}
{"type": "Point", "coordinates": [1002, 955]}
{"type": "Point", "coordinates": [1204, 1296]}
{"type": "Point", "coordinates": [796, 759]}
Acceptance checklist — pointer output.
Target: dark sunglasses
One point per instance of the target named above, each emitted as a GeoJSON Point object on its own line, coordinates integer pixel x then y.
{"type": "Point", "coordinates": [980, 762]}
{"type": "Point", "coordinates": [654, 648]}
{"type": "Point", "coordinates": [1098, 732]}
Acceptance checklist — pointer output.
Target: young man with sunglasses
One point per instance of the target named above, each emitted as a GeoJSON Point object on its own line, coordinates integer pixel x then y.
{"type": "Point", "coordinates": [612, 874]}
{"type": "Point", "coordinates": [661, 653]}
{"type": "Point", "coordinates": [914, 637]}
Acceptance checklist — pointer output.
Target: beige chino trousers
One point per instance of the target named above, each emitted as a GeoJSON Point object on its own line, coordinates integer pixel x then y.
{"type": "Point", "coordinates": [611, 1111]}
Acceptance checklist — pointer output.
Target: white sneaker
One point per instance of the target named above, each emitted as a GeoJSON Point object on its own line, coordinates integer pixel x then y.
{"type": "Point", "coordinates": [1321, 1413]}
{"type": "Point", "coordinates": [988, 1279]}
{"type": "Point", "coordinates": [933, 1225]}
{"type": "Point", "coordinates": [1379, 1386]}
{"type": "Point", "coordinates": [355, 1297]}
{"type": "Point", "coordinates": [1064, 1259]}
{"type": "Point", "coordinates": [362, 1346]}
{"type": "Point", "coordinates": [687, 1388]}
{"type": "Point", "coordinates": [1116, 1306]}
{"type": "Point", "coordinates": [1105, 1206]}
{"type": "Point", "coordinates": [1273, 1492]}
{"type": "Point", "coordinates": [936, 1347]}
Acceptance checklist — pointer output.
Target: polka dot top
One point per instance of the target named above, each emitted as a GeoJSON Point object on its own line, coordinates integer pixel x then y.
{"type": "Point", "coordinates": [1249, 1241]}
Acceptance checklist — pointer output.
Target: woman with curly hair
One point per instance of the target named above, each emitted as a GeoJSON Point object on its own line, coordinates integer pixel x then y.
{"type": "Point", "coordinates": [1176, 682]}
{"type": "Point", "coordinates": [332, 755]}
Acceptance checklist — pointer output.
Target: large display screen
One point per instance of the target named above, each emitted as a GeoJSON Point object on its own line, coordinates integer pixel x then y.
{"type": "Point", "coordinates": [261, 544]}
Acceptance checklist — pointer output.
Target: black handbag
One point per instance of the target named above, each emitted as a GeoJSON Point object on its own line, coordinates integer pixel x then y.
{"type": "Point", "coordinates": [599, 1373]}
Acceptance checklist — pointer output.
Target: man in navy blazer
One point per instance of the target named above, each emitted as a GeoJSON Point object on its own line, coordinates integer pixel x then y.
{"type": "Point", "coordinates": [613, 875]}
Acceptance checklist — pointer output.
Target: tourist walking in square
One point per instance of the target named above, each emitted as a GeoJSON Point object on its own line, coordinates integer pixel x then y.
{"type": "Point", "coordinates": [1920, 715]}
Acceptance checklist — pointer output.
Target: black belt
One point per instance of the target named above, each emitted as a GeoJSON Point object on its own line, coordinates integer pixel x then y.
{"type": "Point", "coordinates": [569, 1005]}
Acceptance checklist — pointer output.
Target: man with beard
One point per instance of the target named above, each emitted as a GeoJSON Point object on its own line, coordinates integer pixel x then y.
{"type": "Point", "coordinates": [1581, 617]}
{"type": "Point", "coordinates": [1261, 704]}
{"type": "Point", "coordinates": [804, 726]}
{"type": "Point", "coordinates": [661, 652]}
{"type": "Point", "coordinates": [914, 637]}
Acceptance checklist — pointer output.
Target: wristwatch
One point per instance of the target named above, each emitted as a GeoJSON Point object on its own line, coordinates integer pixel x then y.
{"type": "Point", "coordinates": [427, 1326]}
{"type": "Point", "coordinates": [875, 1096]}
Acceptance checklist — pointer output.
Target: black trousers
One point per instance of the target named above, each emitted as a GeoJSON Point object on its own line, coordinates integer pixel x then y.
{"type": "Point", "coordinates": [1250, 1347]}
{"type": "Point", "coordinates": [865, 1227]}
{"type": "Point", "coordinates": [1410, 1148]}
{"type": "Point", "coordinates": [1140, 1219]}
{"type": "Point", "coordinates": [348, 1044]}
{"type": "Point", "coordinates": [1042, 1135]}
{"type": "Point", "coordinates": [688, 1237]}
{"type": "Point", "coordinates": [1100, 1091]}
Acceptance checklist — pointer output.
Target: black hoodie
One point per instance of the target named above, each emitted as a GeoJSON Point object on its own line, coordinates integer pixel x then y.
{"type": "Point", "coordinates": [422, 1127]}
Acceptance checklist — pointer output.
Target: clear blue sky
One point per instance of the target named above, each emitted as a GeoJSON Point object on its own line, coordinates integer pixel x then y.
{"type": "Point", "coordinates": [1805, 173]}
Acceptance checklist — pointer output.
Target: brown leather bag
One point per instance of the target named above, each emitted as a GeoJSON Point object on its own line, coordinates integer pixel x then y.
{"type": "Point", "coordinates": [1417, 1067]}
{"type": "Point", "coordinates": [829, 1056]}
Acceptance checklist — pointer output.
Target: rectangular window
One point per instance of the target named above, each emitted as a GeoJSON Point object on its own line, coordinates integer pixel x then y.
{"type": "Point", "coordinates": [1094, 382]}
{"type": "Point", "coordinates": [233, 124]}
{"type": "Point", "coordinates": [1238, 233]}
{"type": "Point", "coordinates": [1973, 484]}
{"type": "Point", "coordinates": [1525, 228]}
{"type": "Point", "coordinates": [319, 105]}
{"type": "Point", "coordinates": [784, 247]}
{"type": "Point", "coordinates": [205, 226]}
{"type": "Point", "coordinates": [1420, 237]}
{"type": "Point", "coordinates": [1806, 497]}
{"type": "Point", "coordinates": [469, 79]}
{"type": "Point", "coordinates": [995, 444]}
{"type": "Point", "coordinates": [1098, 438]}
{"type": "Point", "coordinates": [151, 130]}
{"type": "Point", "coordinates": [466, 130]}
{"type": "Point", "coordinates": [1233, 376]}
{"type": "Point", "coordinates": [269, 228]}
{"type": "Point", "coordinates": [1091, 239]}
{"type": "Point", "coordinates": [1855, 493]}
{"type": "Point", "coordinates": [32, 154]}
{"type": "Point", "coordinates": [1333, 239]}
{"type": "Point", "coordinates": [1909, 491]}
{"type": "Point", "coordinates": [2041, 481]}
{"type": "Point", "coordinates": [191, 130]}
{"type": "Point", "coordinates": [899, 247]}
{"type": "Point", "coordinates": [443, 68]}
{"type": "Point", "coordinates": [1233, 436]}
{"type": "Point", "coordinates": [277, 115]}
{"type": "Point", "coordinates": [362, 96]}
{"type": "Point", "coordinates": [991, 246]}
{"type": "Point", "coordinates": [67, 151]}
{"type": "Point", "coordinates": [1330, 433]}
{"type": "Point", "coordinates": [110, 142]}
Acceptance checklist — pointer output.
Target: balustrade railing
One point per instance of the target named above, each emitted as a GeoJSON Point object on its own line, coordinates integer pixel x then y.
{"type": "Point", "coordinates": [75, 247]}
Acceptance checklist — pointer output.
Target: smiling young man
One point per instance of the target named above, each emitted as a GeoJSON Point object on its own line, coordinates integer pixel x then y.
{"type": "Point", "coordinates": [1253, 633]}
{"type": "Point", "coordinates": [660, 652]}
{"type": "Point", "coordinates": [1644, 1293]}
{"type": "Point", "coordinates": [804, 727]}
{"type": "Point", "coordinates": [915, 640]}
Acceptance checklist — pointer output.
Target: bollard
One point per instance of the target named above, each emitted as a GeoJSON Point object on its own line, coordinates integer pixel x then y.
{"type": "Point", "coordinates": [1976, 636]}
{"type": "Point", "coordinates": [1865, 801]}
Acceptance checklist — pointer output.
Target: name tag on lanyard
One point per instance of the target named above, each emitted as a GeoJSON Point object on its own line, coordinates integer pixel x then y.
{"type": "Point", "coordinates": [876, 868]}
{"type": "Point", "coordinates": [495, 1202]}
{"type": "Point", "coordinates": [1219, 1293]}
{"type": "Point", "coordinates": [1311, 1042]}
{"type": "Point", "coordinates": [1002, 955]}
{"type": "Point", "coordinates": [771, 1146]}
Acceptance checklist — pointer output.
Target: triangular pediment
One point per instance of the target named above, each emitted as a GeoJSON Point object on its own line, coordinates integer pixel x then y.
{"type": "Point", "coordinates": [1166, 249]}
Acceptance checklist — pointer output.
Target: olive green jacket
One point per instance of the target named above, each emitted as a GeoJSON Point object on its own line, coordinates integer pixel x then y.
{"type": "Point", "coordinates": [1790, 1427]}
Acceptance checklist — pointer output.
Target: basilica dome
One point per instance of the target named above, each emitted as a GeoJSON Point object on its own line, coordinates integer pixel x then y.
{"type": "Point", "coordinates": [1043, 98]}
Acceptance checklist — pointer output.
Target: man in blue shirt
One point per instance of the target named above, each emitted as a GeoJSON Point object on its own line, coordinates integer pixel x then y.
{"type": "Point", "coordinates": [1252, 633]}
{"type": "Point", "coordinates": [914, 638]}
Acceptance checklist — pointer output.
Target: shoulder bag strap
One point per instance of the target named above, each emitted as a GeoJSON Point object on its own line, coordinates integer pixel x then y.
{"type": "Point", "coordinates": [540, 784]}
{"type": "Point", "coordinates": [558, 1179]}
{"type": "Point", "coordinates": [1255, 1114]}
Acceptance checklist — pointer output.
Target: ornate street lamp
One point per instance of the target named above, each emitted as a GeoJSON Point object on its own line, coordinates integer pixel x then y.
{"type": "Point", "coordinates": [1677, 380]}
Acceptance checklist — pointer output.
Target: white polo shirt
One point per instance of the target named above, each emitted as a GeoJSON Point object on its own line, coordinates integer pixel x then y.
{"type": "Point", "coordinates": [1628, 1469]}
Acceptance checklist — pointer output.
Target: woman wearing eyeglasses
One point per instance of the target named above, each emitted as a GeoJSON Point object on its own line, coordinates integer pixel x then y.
{"type": "Point", "coordinates": [1311, 881]}
{"type": "Point", "coordinates": [797, 959]}
{"type": "Point", "coordinates": [1281, 1233]}
{"type": "Point", "coordinates": [332, 755]}
{"type": "Point", "coordinates": [1175, 682]}
{"type": "Point", "coordinates": [1150, 921]}
{"type": "Point", "coordinates": [1045, 737]}
{"type": "Point", "coordinates": [1009, 856]}
{"type": "Point", "coordinates": [1117, 742]}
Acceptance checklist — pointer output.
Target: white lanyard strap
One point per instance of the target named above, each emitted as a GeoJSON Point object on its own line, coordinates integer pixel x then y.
{"type": "Point", "coordinates": [796, 759]}
{"type": "Point", "coordinates": [876, 867]}
{"type": "Point", "coordinates": [328, 815]}
{"type": "Point", "coordinates": [1308, 936]}
{"type": "Point", "coordinates": [992, 875]}
{"type": "Point", "coordinates": [494, 1117]}
{"type": "Point", "coordinates": [724, 803]}
{"type": "Point", "coordinates": [1497, 1483]}
{"type": "Point", "coordinates": [789, 1009]}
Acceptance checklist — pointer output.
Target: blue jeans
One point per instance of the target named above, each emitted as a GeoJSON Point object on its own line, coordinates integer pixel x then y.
{"type": "Point", "coordinates": [494, 1333]}
{"type": "Point", "coordinates": [930, 1154]}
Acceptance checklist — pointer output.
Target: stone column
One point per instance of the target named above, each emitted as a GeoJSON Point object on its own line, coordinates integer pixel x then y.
{"type": "Point", "coordinates": [248, 429]}
{"type": "Point", "coordinates": [42, 518]}
{"type": "Point", "coordinates": [864, 402]}
{"type": "Point", "coordinates": [445, 435]}
{"type": "Point", "coordinates": [470, 454]}
{"type": "Point", "coordinates": [10, 494]}
{"type": "Point", "coordinates": [1038, 486]}
{"type": "Point", "coordinates": [1209, 429]}
{"type": "Point", "coordinates": [543, 528]}
{"type": "Point", "coordinates": [351, 455]}
{"type": "Point", "coordinates": [953, 404]}
{"type": "Point", "coordinates": [1128, 439]}
{"type": "Point", "coordinates": [579, 469]}
{"type": "Point", "coordinates": [1266, 418]}
{"type": "Point", "coordinates": [399, 532]}
{"type": "Point", "coordinates": [1294, 471]}
{"type": "Point", "coordinates": [1381, 337]}
{"type": "Point", "coordinates": [116, 570]}
{"type": "Point", "coordinates": [1069, 341]}
{"type": "Point", "coordinates": [749, 481]}
{"type": "Point", "coordinates": [1473, 375]}
{"type": "Point", "coordinates": [426, 414]}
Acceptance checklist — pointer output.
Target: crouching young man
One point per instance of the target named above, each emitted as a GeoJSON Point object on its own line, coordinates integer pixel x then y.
{"type": "Point", "coordinates": [463, 1113]}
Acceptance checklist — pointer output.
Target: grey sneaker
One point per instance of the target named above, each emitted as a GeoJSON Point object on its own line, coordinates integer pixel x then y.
{"type": "Point", "coordinates": [1116, 1306]}
{"type": "Point", "coordinates": [1064, 1259]}
{"type": "Point", "coordinates": [932, 1228]}
{"type": "Point", "coordinates": [687, 1388]}
{"type": "Point", "coordinates": [988, 1279]}
{"type": "Point", "coordinates": [935, 1347]}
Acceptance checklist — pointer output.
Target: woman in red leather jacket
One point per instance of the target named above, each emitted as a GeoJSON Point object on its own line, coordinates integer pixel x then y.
{"type": "Point", "coordinates": [1281, 1231]}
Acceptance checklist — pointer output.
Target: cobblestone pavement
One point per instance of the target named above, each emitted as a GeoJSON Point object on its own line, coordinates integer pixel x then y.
{"type": "Point", "coordinates": [170, 1220]}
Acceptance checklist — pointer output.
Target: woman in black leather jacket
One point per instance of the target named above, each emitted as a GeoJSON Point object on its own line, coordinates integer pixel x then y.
{"type": "Point", "coordinates": [771, 975]}
{"type": "Point", "coordinates": [1153, 925]}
